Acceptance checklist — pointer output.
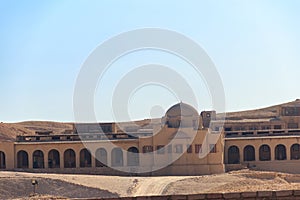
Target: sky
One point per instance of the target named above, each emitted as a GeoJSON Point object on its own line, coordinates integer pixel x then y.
{"type": "Point", "coordinates": [254, 45]}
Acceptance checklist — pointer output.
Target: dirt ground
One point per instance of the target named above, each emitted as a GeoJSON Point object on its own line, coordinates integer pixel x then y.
{"type": "Point", "coordinates": [17, 185]}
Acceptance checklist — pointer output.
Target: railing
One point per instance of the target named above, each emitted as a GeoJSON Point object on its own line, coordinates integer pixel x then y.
{"type": "Point", "coordinates": [81, 137]}
{"type": "Point", "coordinates": [267, 132]}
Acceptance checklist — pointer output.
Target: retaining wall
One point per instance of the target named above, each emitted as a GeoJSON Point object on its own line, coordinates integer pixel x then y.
{"type": "Point", "coordinates": [260, 195]}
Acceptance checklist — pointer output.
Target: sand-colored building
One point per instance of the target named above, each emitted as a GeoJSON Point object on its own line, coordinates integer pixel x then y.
{"type": "Point", "coordinates": [183, 142]}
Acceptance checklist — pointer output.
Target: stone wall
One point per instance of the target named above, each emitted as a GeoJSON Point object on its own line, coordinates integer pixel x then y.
{"type": "Point", "coordinates": [260, 195]}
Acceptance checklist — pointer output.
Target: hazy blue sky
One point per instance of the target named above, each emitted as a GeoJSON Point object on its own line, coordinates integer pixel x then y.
{"type": "Point", "coordinates": [255, 46]}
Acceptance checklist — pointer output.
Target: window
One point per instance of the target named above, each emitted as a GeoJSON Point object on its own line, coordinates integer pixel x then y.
{"type": "Point", "coordinates": [198, 148]}
{"type": "Point", "coordinates": [2, 160]}
{"type": "Point", "coordinates": [147, 149]}
{"type": "Point", "coordinates": [178, 148]}
{"type": "Point", "coordinates": [85, 158]}
{"type": "Point", "coordinates": [280, 152]}
{"type": "Point", "coordinates": [133, 157]}
{"type": "Point", "coordinates": [265, 127]}
{"type": "Point", "coordinates": [228, 129]}
{"type": "Point", "coordinates": [212, 148]}
{"type": "Point", "coordinates": [233, 155]}
{"type": "Point", "coordinates": [249, 153]}
{"type": "Point", "coordinates": [240, 128]}
{"type": "Point", "coordinates": [295, 152]}
{"type": "Point", "coordinates": [169, 148]}
{"type": "Point", "coordinates": [252, 128]}
{"type": "Point", "coordinates": [117, 157]}
{"type": "Point", "coordinates": [160, 149]}
{"type": "Point", "coordinates": [189, 148]}
{"type": "Point", "coordinates": [264, 153]}
{"type": "Point", "coordinates": [217, 128]}
{"type": "Point", "coordinates": [292, 125]}
{"type": "Point", "coordinates": [277, 126]}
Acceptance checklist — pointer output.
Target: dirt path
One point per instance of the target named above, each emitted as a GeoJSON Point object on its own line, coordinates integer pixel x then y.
{"type": "Point", "coordinates": [123, 186]}
{"type": "Point", "coordinates": [155, 185]}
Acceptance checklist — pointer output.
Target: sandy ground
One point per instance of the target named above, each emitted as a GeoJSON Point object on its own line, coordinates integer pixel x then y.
{"type": "Point", "coordinates": [17, 185]}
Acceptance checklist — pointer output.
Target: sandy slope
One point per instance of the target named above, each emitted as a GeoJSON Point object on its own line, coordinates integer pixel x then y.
{"type": "Point", "coordinates": [85, 186]}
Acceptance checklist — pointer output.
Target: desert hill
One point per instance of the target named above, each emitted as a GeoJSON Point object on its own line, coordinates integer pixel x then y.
{"type": "Point", "coordinates": [9, 131]}
{"type": "Point", "coordinates": [268, 112]}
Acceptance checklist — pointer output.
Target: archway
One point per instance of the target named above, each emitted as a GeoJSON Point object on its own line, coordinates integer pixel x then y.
{"type": "Point", "coordinates": [22, 159]}
{"type": "Point", "coordinates": [280, 152]}
{"type": "Point", "coordinates": [249, 153]}
{"type": "Point", "coordinates": [53, 159]}
{"type": "Point", "coordinates": [38, 159]}
{"type": "Point", "coordinates": [2, 160]}
{"type": "Point", "coordinates": [233, 155]}
{"type": "Point", "coordinates": [85, 158]}
{"type": "Point", "coordinates": [69, 158]}
{"type": "Point", "coordinates": [117, 157]}
{"type": "Point", "coordinates": [101, 157]}
{"type": "Point", "coordinates": [295, 152]}
{"type": "Point", "coordinates": [264, 153]}
{"type": "Point", "coordinates": [133, 157]}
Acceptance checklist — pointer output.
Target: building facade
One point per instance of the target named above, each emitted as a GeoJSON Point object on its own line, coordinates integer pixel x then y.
{"type": "Point", "coordinates": [180, 143]}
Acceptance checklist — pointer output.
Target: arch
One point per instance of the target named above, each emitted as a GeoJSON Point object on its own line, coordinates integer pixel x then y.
{"type": "Point", "coordinates": [22, 159]}
{"type": "Point", "coordinates": [280, 152]}
{"type": "Point", "coordinates": [264, 153]}
{"type": "Point", "coordinates": [133, 157]}
{"type": "Point", "coordinates": [249, 153]}
{"type": "Point", "coordinates": [295, 152]}
{"type": "Point", "coordinates": [69, 158]}
{"type": "Point", "coordinates": [117, 157]}
{"type": "Point", "coordinates": [101, 157]}
{"type": "Point", "coordinates": [85, 158]}
{"type": "Point", "coordinates": [233, 155]}
{"type": "Point", "coordinates": [2, 160]}
{"type": "Point", "coordinates": [53, 159]}
{"type": "Point", "coordinates": [38, 159]}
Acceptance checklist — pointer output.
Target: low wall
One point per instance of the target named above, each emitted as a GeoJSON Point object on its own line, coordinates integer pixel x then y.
{"type": "Point", "coordinates": [260, 195]}
{"type": "Point", "coordinates": [284, 166]}
{"type": "Point", "coordinates": [177, 170]}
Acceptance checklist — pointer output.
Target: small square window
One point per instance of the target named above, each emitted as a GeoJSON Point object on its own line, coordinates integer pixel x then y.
{"type": "Point", "coordinates": [198, 148]}
{"type": "Point", "coordinates": [178, 148]}
{"type": "Point", "coordinates": [212, 148]}
{"type": "Point", "coordinates": [147, 149]}
{"type": "Point", "coordinates": [160, 149]}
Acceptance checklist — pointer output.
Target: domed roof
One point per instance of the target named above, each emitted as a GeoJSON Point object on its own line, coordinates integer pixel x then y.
{"type": "Point", "coordinates": [181, 109]}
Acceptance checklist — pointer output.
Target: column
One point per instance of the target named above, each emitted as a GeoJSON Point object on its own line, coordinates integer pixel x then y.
{"type": "Point", "coordinates": [77, 158]}
{"type": "Point", "coordinates": [241, 154]}
{"type": "Point", "coordinates": [93, 164]}
{"type": "Point", "coordinates": [61, 160]}
{"type": "Point", "coordinates": [108, 157]}
{"type": "Point", "coordinates": [256, 153]}
{"type": "Point", "coordinates": [46, 160]}
{"type": "Point", "coordinates": [288, 152]}
{"type": "Point", "coordinates": [272, 152]}
{"type": "Point", "coordinates": [124, 158]}
{"type": "Point", "coordinates": [30, 161]}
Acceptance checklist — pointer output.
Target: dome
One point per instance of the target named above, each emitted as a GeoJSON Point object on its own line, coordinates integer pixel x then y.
{"type": "Point", "coordinates": [181, 109]}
